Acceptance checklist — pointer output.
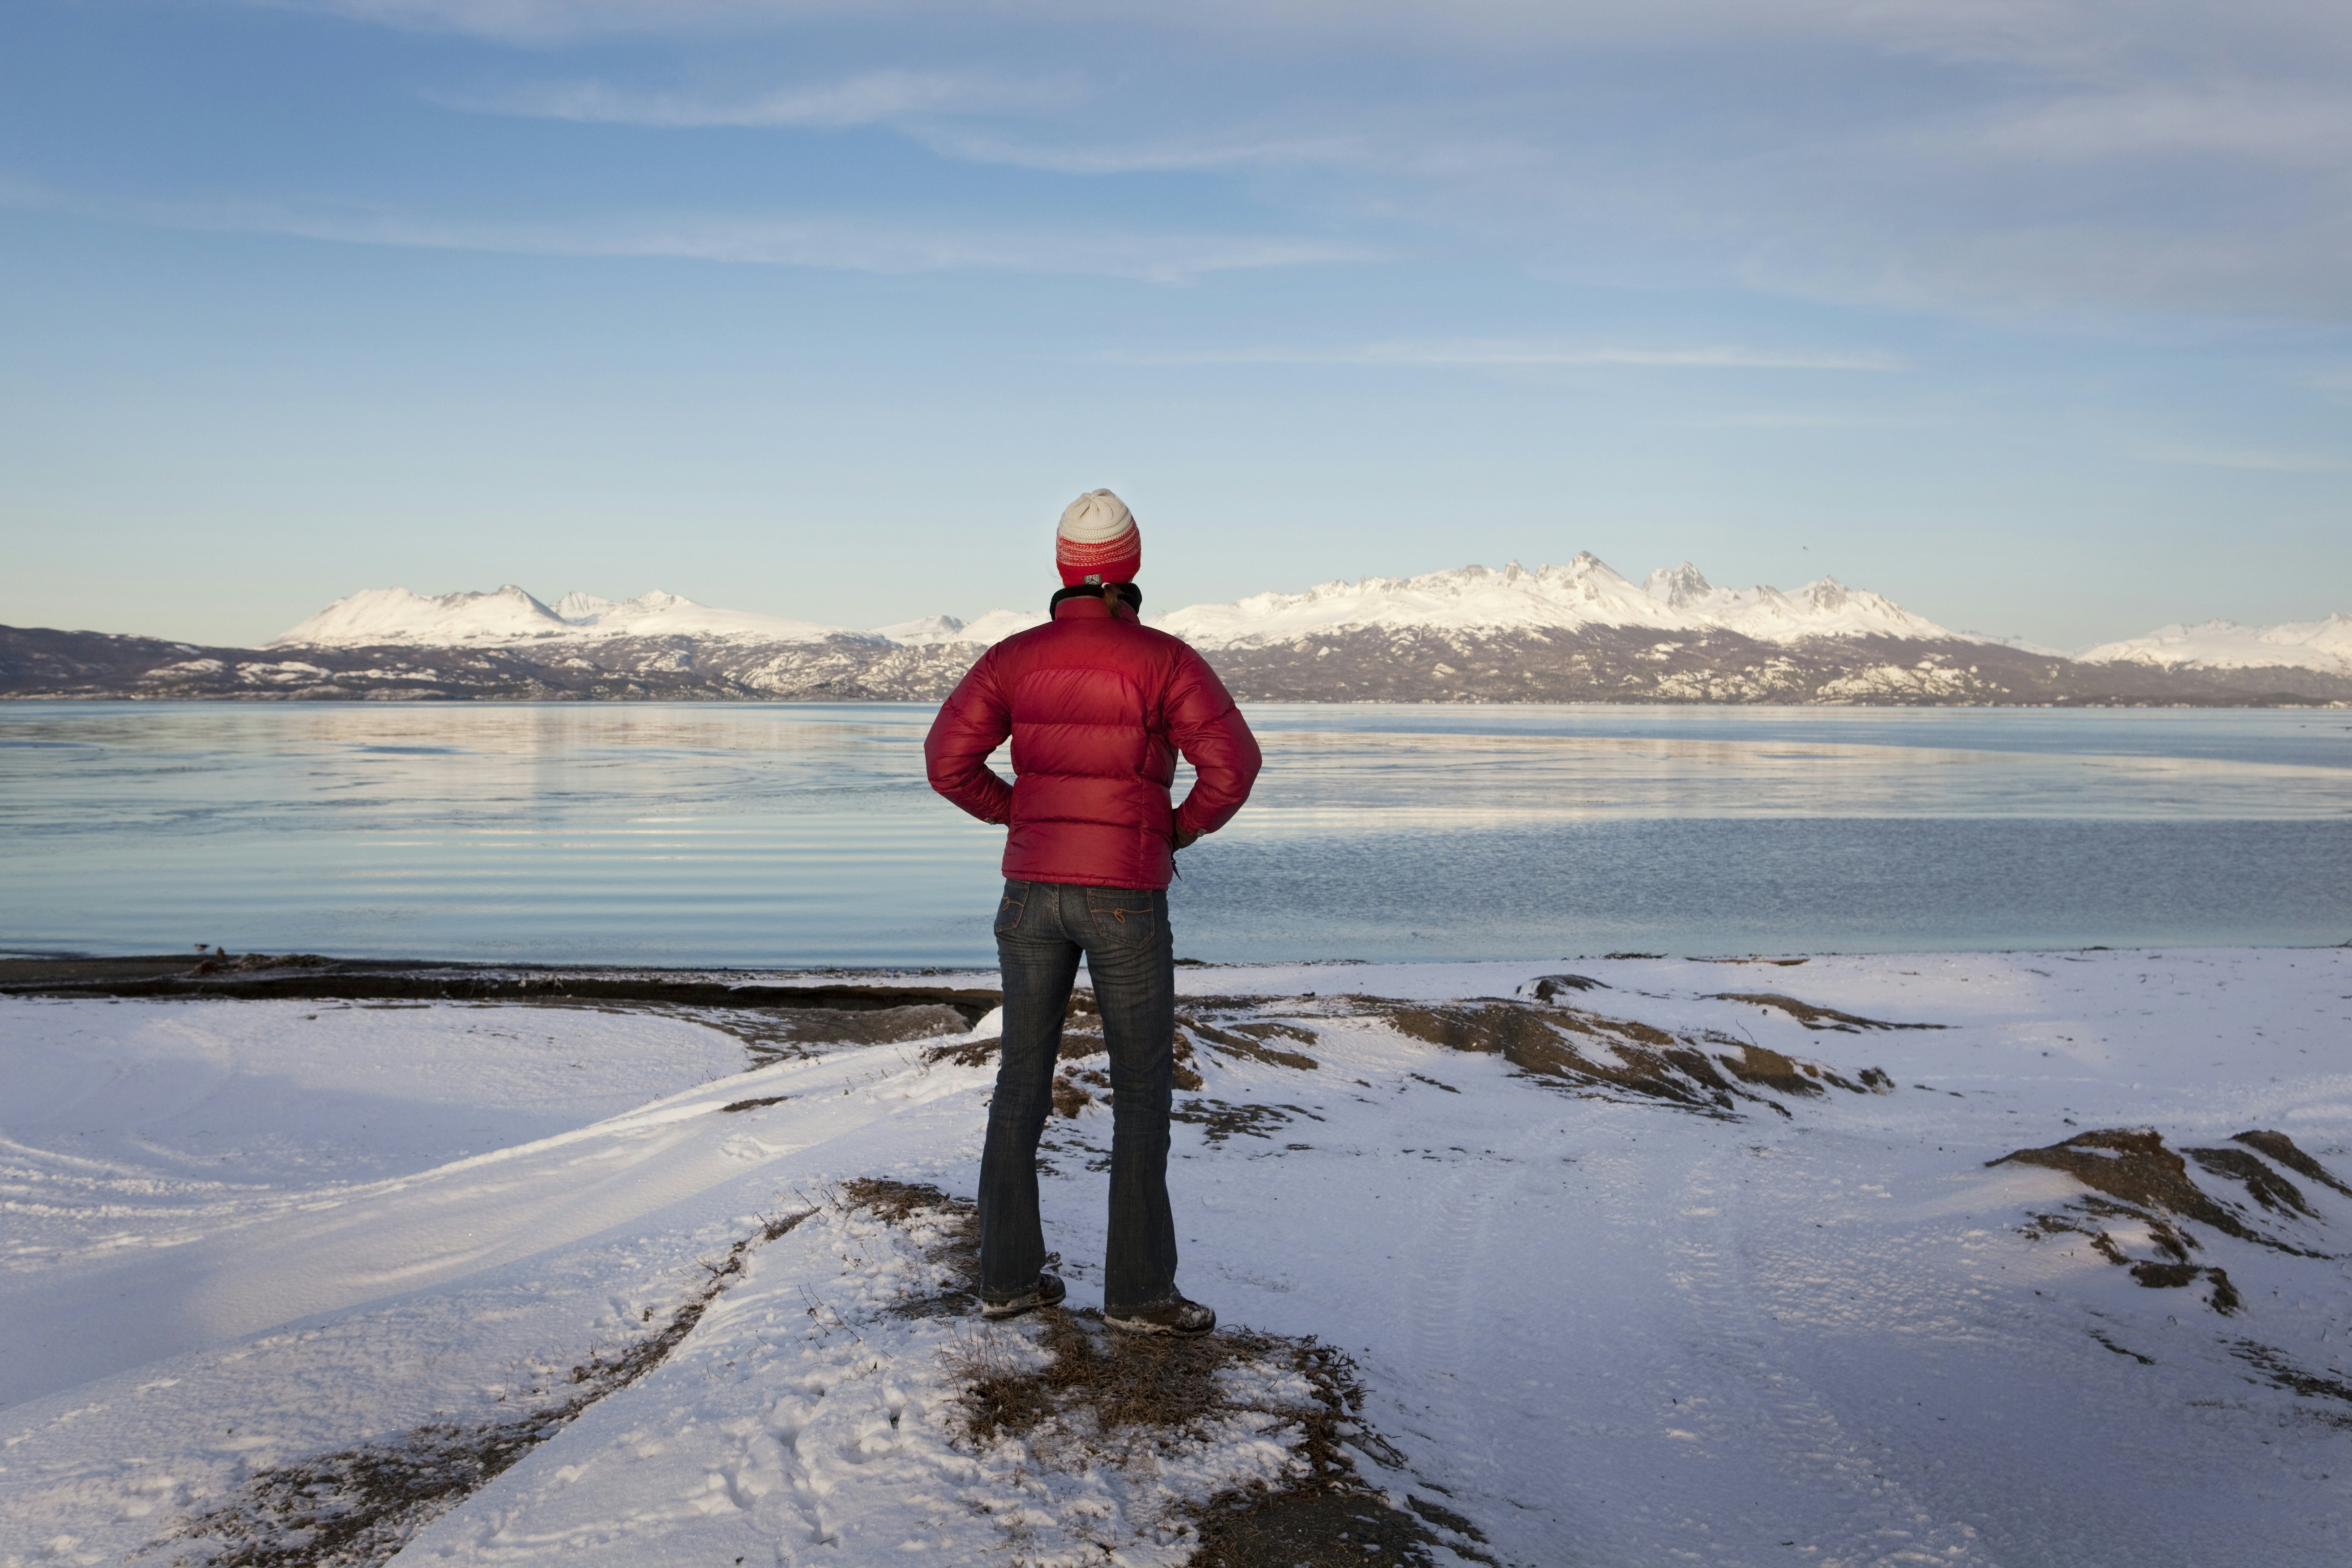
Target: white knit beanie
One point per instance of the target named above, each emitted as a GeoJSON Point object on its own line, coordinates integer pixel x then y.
{"type": "Point", "coordinates": [1097, 540]}
{"type": "Point", "coordinates": [1096, 517]}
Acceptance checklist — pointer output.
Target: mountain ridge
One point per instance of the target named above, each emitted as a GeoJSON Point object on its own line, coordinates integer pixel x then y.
{"type": "Point", "coordinates": [1584, 593]}
{"type": "Point", "coordinates": [1577, 633]}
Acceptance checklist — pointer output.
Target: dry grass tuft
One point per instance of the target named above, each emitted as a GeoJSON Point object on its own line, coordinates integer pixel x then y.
{"type": "Point", "coordinates": [1084, 1394]}
{"type": "Point", "coordinates": [1103, 1386]}
{"type": "Point", "coordinates": [1104, 1397]}
{"type": "Point", "coordinates": [954, 1250]}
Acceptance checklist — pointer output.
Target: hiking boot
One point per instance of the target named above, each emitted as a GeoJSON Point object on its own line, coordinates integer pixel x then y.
{"type": "Point", "coordinates": [1173, 1316]}
{"type": "Point", "coordinates": [1047, 1292]}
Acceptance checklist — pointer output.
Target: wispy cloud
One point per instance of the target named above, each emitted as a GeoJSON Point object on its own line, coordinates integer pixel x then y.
{"type": "Point", "coordinates": [1792, 421]}
{"type": "Point", "coordinates": [2267, 462]}
{"type": "Point", "coordinates": [1172, 155]}
{"type": "Point", "coordinates": [873, 98]}
{"type": "Point", "coordinates": [827, 242]}
{"type": "Point", "coordinates": [2277, 122]}
{"type": "Point", "coordinates": [1504, 353]}
{"type": "Point", "coordinates": [2081, 34]}
{"type": "Point", "coordinates": [2012, 158]}
{"type": "Point", "coordinates": [936, 108]}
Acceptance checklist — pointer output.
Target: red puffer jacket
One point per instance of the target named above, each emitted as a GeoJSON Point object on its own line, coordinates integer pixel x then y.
{"type": "Point", "coordinates": [1097, 706]}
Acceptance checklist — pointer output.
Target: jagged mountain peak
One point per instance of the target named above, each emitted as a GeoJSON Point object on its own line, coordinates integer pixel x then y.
{"type": "Point", "coordinates": [577, 606]}
{"type": "Point", "coordinates": [1678, 586]}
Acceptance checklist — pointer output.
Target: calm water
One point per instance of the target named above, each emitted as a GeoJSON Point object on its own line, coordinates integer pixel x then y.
{"type": "Point", "coordinates": [804, 835]}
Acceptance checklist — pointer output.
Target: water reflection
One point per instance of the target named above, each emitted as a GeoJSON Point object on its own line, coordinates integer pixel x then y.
{"type": "Point", "coordinates": [757, 833]}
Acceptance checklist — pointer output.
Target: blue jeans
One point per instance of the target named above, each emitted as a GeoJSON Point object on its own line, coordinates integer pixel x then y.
{"type": "Point", "coordinates": [1042, 928]}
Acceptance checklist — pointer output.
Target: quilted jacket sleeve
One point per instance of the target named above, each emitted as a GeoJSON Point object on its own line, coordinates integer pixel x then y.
{"type": "Point", "coordinates": [1209, 730]}
{"type": "Point", "coordinates": [971, 723]}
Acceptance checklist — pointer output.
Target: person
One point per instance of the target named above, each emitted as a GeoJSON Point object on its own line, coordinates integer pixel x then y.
{"type": "Point", "coordinates": [1097, 706]}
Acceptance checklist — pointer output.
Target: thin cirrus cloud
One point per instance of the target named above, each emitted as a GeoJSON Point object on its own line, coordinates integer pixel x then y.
{"type": "Point", "coordinates": [2258, 461]}
{"type": "Point", "coordinates": [1508, 352]}
{"type": "Point", "coordinates": [873, 98]}
{"type": "Point", "coordinates": [2285, 124]}
{"type": "Point", "coordinates": [2017, 160]}
{"type": "Point", "coordinates": [823, 242]}
{"type": "Point", "coordinates": [2085, 34]}
{"type": "Point", "coordinates": [935, 108]}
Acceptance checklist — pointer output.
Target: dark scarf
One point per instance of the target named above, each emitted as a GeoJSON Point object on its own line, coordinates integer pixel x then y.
{"type": "Point", "coordinates": [1128, 592]}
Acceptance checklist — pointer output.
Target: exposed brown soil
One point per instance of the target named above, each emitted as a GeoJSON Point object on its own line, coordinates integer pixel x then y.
{"type": "Point", "coordinates": [1222, 1121]}
{"type": "Point", "coordinates": [2134, 1176]}
{"type": "Point", "coordinates": [1815, 1016]}
{"type": "Point", "coordinates": [308, 976]}
{"type": "Point", "coordinates": [1703, 1071]}
{"type": "Point", "coordinates": [1250, 1041]}
{"type": "Point", "coordinates": [1081, 1037]}
{"type": "Point", "coordinates": [16, 972]}
{"type": "Point", "coordinates": [2174, 1276]}
{"type": "Point", "coordinates": [1551, 985]}
{"type": "Point", "coordinates": [1317, 1529]}
{"type": "Point", "coordinates": [357, 1507]}
{"type": "Point", "coordinates": [1069, 1099]}
{"type": "Point", "coordinates": [2281, 1373]}
{"type": "Point", "coordinates": [2266, 1186]}
{"type": "Point", "coordinates": [2281, 1148]}
{"type": "Point", "coordinates": [1116, 1398]}
{"type": "Point", "coordinates": [957, 1250]}
{"type": "Point", "coordinates": [2133, 1164]}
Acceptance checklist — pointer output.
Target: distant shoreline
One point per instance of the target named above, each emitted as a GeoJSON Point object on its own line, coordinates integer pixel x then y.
{"type": "Point", "coordinates": [1614, 665]}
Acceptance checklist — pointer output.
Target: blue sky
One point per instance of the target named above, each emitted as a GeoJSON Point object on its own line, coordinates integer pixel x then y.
{"type": "Point", "coordinates": [2031, 316]}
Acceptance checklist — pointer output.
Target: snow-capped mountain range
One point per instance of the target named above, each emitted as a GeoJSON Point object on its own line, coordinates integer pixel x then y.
{"type": "Point", "coordinates": [2225, 644]}
{"type": "Point", "coordinates": [1583, 594]}
{"type": "Point", "coordinates": [1575, 633]}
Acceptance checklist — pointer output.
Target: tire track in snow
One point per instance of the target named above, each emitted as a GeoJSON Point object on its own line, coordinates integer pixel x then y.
{"type": "Point", "coordinates": [1805, 1453]}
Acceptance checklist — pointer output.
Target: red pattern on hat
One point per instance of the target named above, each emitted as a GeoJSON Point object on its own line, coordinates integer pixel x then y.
{"type": "Point", "coordinates": [1114, 560]}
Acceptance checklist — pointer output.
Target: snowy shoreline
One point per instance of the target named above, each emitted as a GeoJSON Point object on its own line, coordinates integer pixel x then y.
{"type": "Point", "coordinates": [1624, 1280]}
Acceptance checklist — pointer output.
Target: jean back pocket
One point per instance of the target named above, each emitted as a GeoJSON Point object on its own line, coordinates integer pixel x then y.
{"type": "Point", "coordinates": [1123, 915]}
{"type": "Point", "coordinates": [1009, 908]}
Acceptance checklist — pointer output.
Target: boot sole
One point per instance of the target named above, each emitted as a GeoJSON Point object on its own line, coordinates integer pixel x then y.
{"type": "Point", "coordinates": [1135, 1326]}
{"type": "Point", "coordinates": [1000, 1313]}
{"type": "Point", "coordinates": [1004, 1314]}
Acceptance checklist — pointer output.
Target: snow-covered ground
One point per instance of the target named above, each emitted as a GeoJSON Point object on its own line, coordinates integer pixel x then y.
{"type": "Point", "coordinates": [1623, 1285]}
